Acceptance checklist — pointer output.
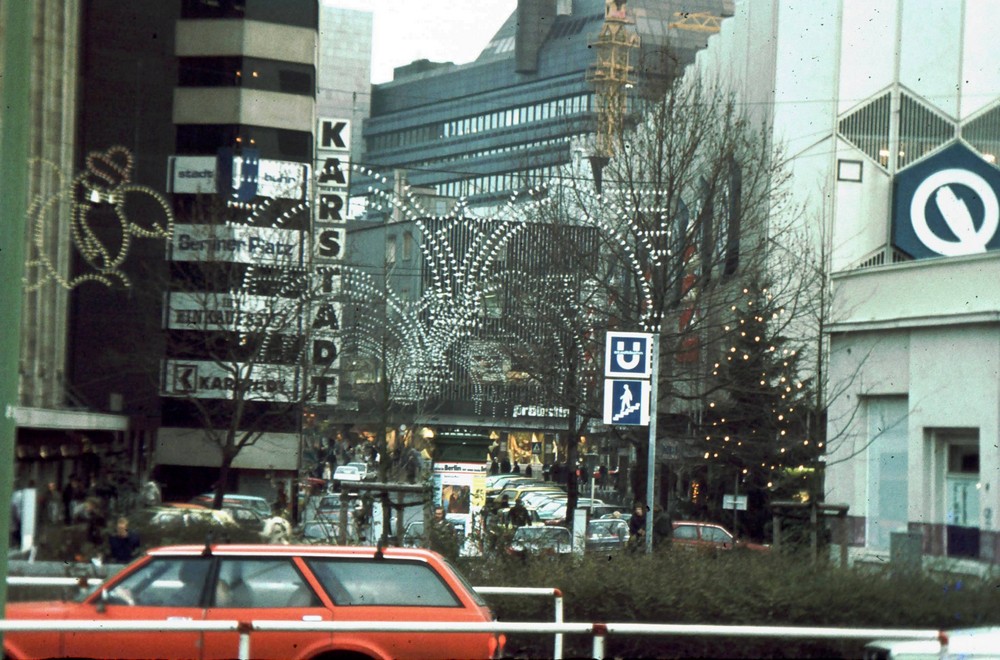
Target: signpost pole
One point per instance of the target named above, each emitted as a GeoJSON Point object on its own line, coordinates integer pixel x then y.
{"type": "Point", "coordinates": [654, 357]}
{"type": "Point", "coordinates": [17, 45]}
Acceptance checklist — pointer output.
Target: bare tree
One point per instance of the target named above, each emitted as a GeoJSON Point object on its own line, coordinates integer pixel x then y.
{"type": "Point", "coordinates": [689, 208]}
{"type": "Point", "coordinates": [238, 323]}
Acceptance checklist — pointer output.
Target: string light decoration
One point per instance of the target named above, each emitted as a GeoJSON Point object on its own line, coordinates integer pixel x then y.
{"type": "Point", "coordinates": [758, 424]}
{"type": "Point", "coordinates": [101, 227]}
{"type": "Point", "coordinates": [440, 334]}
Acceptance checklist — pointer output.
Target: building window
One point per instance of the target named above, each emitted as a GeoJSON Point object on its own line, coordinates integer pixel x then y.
{"type": "Point", "coordinates": [248, 72]}
{"type": "Point", "coordinates": [390, 250]}
{"type": "Point", "coordinates": [407, 246]}
{"type": "Point", "coordinates": [888, 469]}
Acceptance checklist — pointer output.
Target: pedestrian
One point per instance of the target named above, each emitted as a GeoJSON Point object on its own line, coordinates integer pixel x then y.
{"type": "Point", "coordinates": [663, 525]}
{"type": "Point", "coordinates": [504, 464]}
{"type": "Point", "coordinates": [52, 504]}
{"type": "Point", "coordinates": [518, 513]}
{"type": "Point", "coordinates": [96, 522]}
{"type": "Point", "coordinates": [72, 497]}
{"type": "Point", "coordinates": [637, 528]}
{"type": "Point", "coordinates": [527, 471]}
{"type": "Point", "coordinates": [123, 543]}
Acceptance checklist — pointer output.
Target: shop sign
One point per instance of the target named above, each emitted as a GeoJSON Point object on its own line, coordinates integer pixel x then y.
{"type": "Point", "coordinates": [237, 244]}
{"type": "Point", "coordinates": [275, 179]}
{"type": "Point", "coordinates": [206, 379]}
{"type": "Point", "coordinates": [947, 205]}
{"type": "Point", "coordinates": [211, 311]}
{"type": "Point", "coordinates": [192, 174]}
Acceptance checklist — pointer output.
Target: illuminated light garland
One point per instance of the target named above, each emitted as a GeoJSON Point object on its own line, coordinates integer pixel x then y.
{"type": "Point", "coordinates": [106, 182]}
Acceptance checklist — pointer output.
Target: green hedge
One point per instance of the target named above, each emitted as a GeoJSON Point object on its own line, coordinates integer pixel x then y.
{"type": "Point", "coordinates": [727, 588]}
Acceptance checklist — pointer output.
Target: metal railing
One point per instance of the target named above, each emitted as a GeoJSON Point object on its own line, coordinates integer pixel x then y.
{"type": "Point", "coordinates": [555, 594]}
{"type": "Point", "coordinates": [599, 631]}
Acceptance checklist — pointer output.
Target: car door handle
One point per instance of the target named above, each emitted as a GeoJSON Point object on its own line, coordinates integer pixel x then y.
{"type": "Point", "coordinates": [312, 617]}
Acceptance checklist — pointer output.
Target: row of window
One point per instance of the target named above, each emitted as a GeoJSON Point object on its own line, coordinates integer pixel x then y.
{"type": "Point", "coordinates": [276, 143]}
{"type": "Point", "coordinates": [297, 13]}
{"type": "Point", "coordinates": [249, 72]}
{"type": "Point", "coordinates": [494, 183]}
{"type": "Point", "coordinates": [482, 153]}
{"type": "Point", "coordinates": [542, 111]}
{"type": "Point", "coordinates": [391, 250]}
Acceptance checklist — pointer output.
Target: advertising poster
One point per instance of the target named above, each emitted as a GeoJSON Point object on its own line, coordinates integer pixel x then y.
{"type": "Point", "coordinates": [460, 489]}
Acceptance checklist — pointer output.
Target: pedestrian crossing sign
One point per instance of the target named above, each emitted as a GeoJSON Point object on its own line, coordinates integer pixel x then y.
{"type": "Point", "coordinates": [626, 402]}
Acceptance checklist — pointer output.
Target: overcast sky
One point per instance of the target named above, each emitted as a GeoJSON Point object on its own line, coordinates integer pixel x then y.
{"type": "Point", "coordinates": [440, 30]}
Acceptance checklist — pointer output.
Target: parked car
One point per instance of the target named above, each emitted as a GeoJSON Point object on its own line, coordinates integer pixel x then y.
{"type": "Point", "coordinates": [327, 507]}
{"type": "Point", "coordinates": [325, 532]}
{"type": "Point", "coordinates": [541, 540]}
{"type": "Point", "coordinates": [607, 535]}
{"type": "Point", "coordinates": [690, 533]}
{"type": "Point", "coordinates": [513, 490]}
{"type": "Point", "coordinates": [181, 514]}
{"type": "Point", "coordinates": [272, 582]}
{"type": "Point", "coordinates": [255, 502]}
{"type": "Point", "coordinates": [348, 473]}
{"type": "Point", "coordinates": [367, 474]}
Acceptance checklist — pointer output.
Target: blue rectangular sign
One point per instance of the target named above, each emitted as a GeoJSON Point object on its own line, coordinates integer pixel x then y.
{"type": "Point", "coordinates": [626, 402]}
{"type": "Point", "coordinates": [627, 355]}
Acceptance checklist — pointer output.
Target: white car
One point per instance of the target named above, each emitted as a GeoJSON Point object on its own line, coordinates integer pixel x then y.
{"type": "Point", "coordinates": [967, 643]}
{"type": "Point", "coordinates": [363, 469]}
{"type": "Point", "coordinates": [347, 473]}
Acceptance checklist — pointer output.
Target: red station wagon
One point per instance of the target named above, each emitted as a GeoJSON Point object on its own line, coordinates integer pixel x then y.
{"type": "Point", "coordinates": [690, 533]}
{"type": "Point", "coordinates": [268, 582]}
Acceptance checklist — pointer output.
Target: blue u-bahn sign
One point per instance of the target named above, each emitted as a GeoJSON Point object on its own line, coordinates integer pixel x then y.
{"type": "Point", "coordinates": [627, 355]}
{"type": "Point", "coordinates": [947, 206]}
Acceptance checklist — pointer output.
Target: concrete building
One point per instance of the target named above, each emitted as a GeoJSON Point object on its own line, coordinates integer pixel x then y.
{"type": "Point", "coordinates": [525, 106]}
{"type": "Point", "coordinates": [156, 90]}
{"type": "Point", "coordinates": [890, 115]}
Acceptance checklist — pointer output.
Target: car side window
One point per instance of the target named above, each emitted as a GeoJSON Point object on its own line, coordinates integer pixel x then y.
{"type": "Point", "coordinates": [262, 583]}
{"type": "Point", "coordinates": [715, 535]}
{"type": "Point", "coordinates": [685, 532]}
{"type": "Point", "coordinates": [165, 582]}
{"type": "Point", "coordinates": [382, 582]}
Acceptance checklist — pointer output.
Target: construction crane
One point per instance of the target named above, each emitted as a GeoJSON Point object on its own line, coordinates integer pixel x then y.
{"type": "Point", "coordinates": [700, 21]}
{"type": "Point", "coordinates": [612, 74]}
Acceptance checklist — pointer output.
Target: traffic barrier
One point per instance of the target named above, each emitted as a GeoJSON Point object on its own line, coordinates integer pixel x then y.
{"type": "Point", "coordinates": [555, 594]}
{"type": "Point", "coordinates": [599, 631]}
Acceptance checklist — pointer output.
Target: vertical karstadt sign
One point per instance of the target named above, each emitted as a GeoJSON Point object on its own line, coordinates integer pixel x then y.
{"type": "Point", "coordinates": [329, 235]}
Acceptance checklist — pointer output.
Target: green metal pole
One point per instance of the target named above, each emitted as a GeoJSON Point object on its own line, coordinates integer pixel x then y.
{"type": "Point", "coordinates": [16, 19]}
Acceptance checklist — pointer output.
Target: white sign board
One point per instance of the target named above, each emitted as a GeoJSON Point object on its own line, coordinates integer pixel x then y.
{"type": "Point", "coordinates": [738, 502]}
{"type": "Point", "coordinates": [213, 311]}
{"type": "Point", "coordinates": [236, 244]}
{"type": "Point", "coordinates": [206, 379]}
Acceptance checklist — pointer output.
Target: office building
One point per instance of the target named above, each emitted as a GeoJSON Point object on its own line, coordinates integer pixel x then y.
{"type": "Point", "coordinates": [888, 111]}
